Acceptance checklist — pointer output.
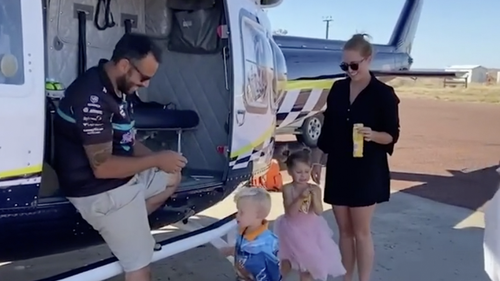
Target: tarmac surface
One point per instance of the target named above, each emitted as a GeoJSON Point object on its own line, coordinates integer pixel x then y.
{"type": "Point", "coordinates": [447, 152]}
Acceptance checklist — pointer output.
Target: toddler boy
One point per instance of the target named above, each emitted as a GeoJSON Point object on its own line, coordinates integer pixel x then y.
{"type": "Point", "coordinates": [256, 249]}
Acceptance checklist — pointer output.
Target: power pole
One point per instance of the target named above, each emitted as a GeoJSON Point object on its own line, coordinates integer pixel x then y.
{"type": "Point", "coordinates": [327, 20]}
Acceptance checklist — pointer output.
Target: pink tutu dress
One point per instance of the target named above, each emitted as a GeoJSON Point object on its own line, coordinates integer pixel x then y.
{"type": "Point", "coordinates": [306, 241]}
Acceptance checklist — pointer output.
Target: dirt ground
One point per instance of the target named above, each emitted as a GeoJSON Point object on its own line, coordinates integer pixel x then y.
{"type": "Point", "coordinates": [448, 151]}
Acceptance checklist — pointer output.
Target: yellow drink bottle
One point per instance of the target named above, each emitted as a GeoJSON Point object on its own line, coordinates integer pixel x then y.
{"type": "Point", "coordinates": [306, 204]}
{"type": "Point", "coordinates": [357, 140]}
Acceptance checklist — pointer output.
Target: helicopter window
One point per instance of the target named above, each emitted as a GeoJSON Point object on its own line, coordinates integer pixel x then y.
{"type": "Point", "coordinates": [11, 43]}
{"type": "Point", "coordinates": [280, 76]}
{"type": "Point", "coordinates": [259, 64]}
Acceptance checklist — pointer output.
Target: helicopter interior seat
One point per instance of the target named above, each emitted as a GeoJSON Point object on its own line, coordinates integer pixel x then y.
{"type": "Point", "coordinates": [153, 117]}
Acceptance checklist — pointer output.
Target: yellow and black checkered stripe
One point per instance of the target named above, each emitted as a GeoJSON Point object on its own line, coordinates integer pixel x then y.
{"type": "Point", "coordinates": [302, 99]}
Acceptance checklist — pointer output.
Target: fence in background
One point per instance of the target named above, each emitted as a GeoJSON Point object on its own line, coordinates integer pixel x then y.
{"type": "Point", "coordinates": [455, 82]}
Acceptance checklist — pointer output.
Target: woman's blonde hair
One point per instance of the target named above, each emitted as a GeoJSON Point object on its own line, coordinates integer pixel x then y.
{"type": "Point", "coordinates": [358, 42]}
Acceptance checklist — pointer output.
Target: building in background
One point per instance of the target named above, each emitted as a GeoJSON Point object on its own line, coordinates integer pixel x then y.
{"type": "Point", "coordinates": [471, 73]}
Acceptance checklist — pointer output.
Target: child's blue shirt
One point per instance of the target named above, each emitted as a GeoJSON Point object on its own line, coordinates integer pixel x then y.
{"type": "Point", "coordinates": [256, 255]}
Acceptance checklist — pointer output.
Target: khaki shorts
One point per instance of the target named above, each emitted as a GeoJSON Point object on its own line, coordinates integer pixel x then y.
{"type": "Point", "coordinates": [120, 216]}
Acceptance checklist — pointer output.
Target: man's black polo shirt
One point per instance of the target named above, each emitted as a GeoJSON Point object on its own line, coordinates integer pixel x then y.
{"type": "Point", "coordinates": [90, 113]}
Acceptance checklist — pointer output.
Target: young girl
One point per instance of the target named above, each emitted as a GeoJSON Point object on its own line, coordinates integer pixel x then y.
{"type": "Point", "coordinates": [306, 243]}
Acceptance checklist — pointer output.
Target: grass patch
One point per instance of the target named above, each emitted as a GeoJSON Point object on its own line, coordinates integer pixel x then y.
{"type": "Point", "coordinates": [433, 89]}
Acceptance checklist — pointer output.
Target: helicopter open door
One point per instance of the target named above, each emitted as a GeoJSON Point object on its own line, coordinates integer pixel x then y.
{"type": "Point", "coordinates": [21, 100]}
{"type": "Point", "coordinates": [255, 84]}
{"type": "Point", "coordinates": [187, 103]}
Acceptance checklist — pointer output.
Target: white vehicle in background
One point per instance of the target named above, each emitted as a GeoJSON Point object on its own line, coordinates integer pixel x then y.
{"type": "Point", "coordinates": [301, 110]}
{"type": "Point", "coordinates": [306, 130]}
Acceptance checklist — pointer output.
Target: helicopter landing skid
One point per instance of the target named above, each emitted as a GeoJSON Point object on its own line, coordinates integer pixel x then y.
{"type": "Point", "coordinates": [197, 236]}
{"type": "Point", "coordinates": [218, 242]}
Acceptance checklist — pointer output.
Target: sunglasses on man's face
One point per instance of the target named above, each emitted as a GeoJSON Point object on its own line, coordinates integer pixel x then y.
{"type": "Point", "coordinates": [143, 77]}
{"type": "Point", "coordinates": [352, 65]}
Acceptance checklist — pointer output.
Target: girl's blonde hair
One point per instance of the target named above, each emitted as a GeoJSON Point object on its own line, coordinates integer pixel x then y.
{"type": "Point", "coordinates": [259, 196]}
{"type": "Point", "coordinates": [358, 42]}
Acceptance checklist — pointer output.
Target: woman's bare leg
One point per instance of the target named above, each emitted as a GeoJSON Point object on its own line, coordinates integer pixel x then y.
{"type": "Point", "coordinates": [346, 240]}
{"type": "Point", "coordinates": [361, 221]}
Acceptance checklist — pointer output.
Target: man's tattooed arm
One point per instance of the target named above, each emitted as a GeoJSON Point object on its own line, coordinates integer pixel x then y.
{"type": "Point", "coordinates": [108, 166]}
{"type": "Point", "coordinates": [98, 154]}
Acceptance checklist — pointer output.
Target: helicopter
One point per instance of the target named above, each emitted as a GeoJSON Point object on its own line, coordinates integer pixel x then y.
{"type": "Point", "coordinates": [218, 100]}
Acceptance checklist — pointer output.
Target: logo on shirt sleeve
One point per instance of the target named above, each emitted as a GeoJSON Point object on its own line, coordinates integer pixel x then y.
{"type": "Point", "coordinates": [92, 110]}
{"type": "Point", "coordinates": [93, 131]}
{"type": "Point", "coordinates": [94, 102]}
{"type": "Point", "coordinates": [122, 111]}
{"type": "Point", "coordinates": [128, 137]}
{"type": "Point", "coordinates": [92, 118]}
{"type": "Point", "coordinates": [94, 99]}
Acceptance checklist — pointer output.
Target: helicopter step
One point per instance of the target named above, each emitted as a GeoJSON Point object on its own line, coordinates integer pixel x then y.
{"type": "Point", "coordinates": [196, 237]}
{"type": "Point", "coordinates": [218, 242]}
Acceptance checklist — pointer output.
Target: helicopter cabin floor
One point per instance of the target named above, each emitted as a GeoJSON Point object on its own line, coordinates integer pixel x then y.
{"type": "Point", "coordinates": [191, 179]}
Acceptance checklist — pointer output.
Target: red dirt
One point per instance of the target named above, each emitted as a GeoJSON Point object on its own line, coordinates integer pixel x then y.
{"type": "Point", "coordinates": [448, 151]}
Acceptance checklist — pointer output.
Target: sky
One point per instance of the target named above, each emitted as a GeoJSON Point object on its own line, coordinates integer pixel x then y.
{"type": "Point", "coordinates": [450, 32]}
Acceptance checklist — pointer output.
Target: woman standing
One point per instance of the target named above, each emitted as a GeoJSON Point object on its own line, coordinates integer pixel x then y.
{"type": "Point", "coordinates": [354, 184]}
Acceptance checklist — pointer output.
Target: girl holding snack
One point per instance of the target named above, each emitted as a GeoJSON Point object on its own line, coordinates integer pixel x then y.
{"type": "Point", "coordinates": [306, 243]}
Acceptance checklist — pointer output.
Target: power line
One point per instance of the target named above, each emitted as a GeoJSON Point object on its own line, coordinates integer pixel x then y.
{"type": "Point", "coordinates": [327, 20]}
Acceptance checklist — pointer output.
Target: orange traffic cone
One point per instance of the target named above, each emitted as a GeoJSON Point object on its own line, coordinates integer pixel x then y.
{"type": "Point", "coordinates": [273, 179]}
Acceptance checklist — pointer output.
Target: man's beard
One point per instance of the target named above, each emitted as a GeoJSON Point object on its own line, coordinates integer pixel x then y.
{"type": "Point", "coordinates": [123, 85]}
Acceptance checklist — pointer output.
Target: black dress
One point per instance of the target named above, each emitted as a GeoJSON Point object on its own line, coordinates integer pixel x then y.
{"type": "Point", "coordinates": [358, 182]}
